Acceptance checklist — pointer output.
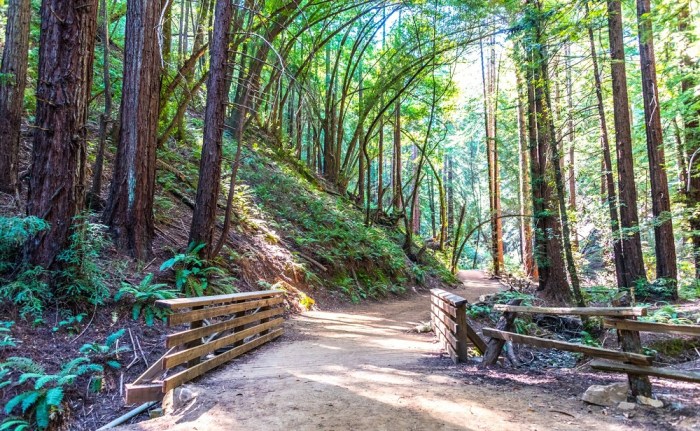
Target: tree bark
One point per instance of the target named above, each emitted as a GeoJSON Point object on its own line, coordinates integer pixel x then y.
{"type": "Point", "coordinates": [691, 122]}
{"type": "Point", "coordinates": [14, 71]}
{"type": "Point", "coordinates": [548, 242]}
{"type": "Point", "coordinates": [218, 85]}
{"type": "Point", "coordinates": [129, 212]}
{"type": "Point", "coordinates": [664, 242]}
{"type": "Point", "coordinates": [629, 220]}
{"type": "Point", "coordinates": [525, 186]}
{"type": "Point", "coordinates": [607, 175]}
{"type": "Point", "coordinates": [56, 186]}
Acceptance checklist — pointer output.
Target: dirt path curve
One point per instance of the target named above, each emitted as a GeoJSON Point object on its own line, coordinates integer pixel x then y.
{"type": "Point", "coordinates": [364, 369]}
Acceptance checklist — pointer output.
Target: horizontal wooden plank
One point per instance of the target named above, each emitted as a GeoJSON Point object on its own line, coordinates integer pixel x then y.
{"type": "Point", "coordinates": [207, 313]}
{"type": "Point", "coordinates": [186, 375]}
{"type": "Point", "coordinates": [180, 303]}
{"type": "Point", "coordinates": [183, 356]}
{"type": "Point", "coordinates": [666, 373]}
{"type": "Point", "coordinates": [144, 392]}
{"type": "Point", "coordinates": [574, 311]}
{"type": "Point", "coordinates": [597, 352]}
{"type": "Point", "coordinates": [447, 335]}
{"type": "Point", "coordinates": [183, 337]}
{"type": "Point", "coordinates": [635, 325]}
{"type": "Point", "coordinates": [444, 318]}
{"type": "Point", "coordinates": [446, 307]}
{"type": "Point", "coordinates": [451, 298]}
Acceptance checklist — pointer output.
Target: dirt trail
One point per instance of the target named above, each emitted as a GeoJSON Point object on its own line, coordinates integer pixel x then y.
{"type": "Point", "coordinates": [364, 369]}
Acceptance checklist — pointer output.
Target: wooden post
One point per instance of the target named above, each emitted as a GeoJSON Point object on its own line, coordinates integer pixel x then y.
{"type": "Point", "coordinates": [194, 343]}
{"type": "Point", "coordinates": [495, 345]}
{"type": "Point", "coordinates": [461, 319]}
{"type": "Point", "coordinates": [630, 342]}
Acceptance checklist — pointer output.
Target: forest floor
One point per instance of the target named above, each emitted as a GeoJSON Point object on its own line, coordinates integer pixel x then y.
{"type": "Point", "coordinates": [365, 367]}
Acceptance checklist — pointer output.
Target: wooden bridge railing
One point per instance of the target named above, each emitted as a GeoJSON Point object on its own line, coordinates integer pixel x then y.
{"type": "Point", "coordinates": [630, 361]}
{"type": "Point", "coordinates": [221, 328]}
{"type": "Point", "coordinates": [449, 320]}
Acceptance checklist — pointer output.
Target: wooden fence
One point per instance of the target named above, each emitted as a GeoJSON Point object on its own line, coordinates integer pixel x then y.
{"type": "Point", "coordinates": [630, 361]}
{"type": "Point", "coordinates": [449, 321]}
{"type": "Point", "coordinates": [221, 328]}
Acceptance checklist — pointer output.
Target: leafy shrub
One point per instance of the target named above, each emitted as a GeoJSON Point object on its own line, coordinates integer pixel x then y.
{"type": "Point", "coordinates": [475, 311]}
{"type": "Point", "coordinates": [14, 232]}
{"type": "Point", "coordinates": [81, 278]}
{"type": "Point", "coordinates": [668, 314]}
{"type": "Point", "coordinates": [191, 272]}
{"type": "Point", "coordinates": [145, 295]}
{"type": "Point", "coordinates": [41, 403]}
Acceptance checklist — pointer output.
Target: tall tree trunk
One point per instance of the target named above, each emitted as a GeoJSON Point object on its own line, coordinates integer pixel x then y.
{"type": "Point", "coordinates": [629, 220]}
{"type": "Point", "coordinates": [691, 120]}
{"type": "Point", "coordinates": [14, 69]}
{"type": "Point", "coordinates": [664, 241]}
{"type": "Point", "coordinates": [218, 85]}
{"type": "Point", "coordinates": [608, 180]}
{"type": "Point", "coordinates": [130, 209]}
{"type": "Point", "coordinates": [548, 246]}
{"type": "Point", "coordinates": [56, 187]}
{"type": "Point", "coordinates": [106, 117]}
{"type": "Point", "coordinates": [489, 78]}
{"type": "Point", "coordinates": [525, 186]}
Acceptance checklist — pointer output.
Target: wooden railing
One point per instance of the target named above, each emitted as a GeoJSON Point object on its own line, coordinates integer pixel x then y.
{"type": "Point", "coordinates": [630, 361]}
{"type": "Point", "coordinates": [221, 328]}
{"type": "Point", "coordinates": [449, 321]}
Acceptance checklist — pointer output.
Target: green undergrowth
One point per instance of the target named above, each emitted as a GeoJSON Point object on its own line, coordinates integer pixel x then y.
{"type": "Point", "coordinates": [360, 261]}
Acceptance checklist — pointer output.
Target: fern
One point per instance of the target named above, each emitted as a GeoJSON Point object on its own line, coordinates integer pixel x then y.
{"type": "Point", "coordinates": [98, 354]}
{"type": "Point", "coordinates": [145, 295]}
{"type": "Point", "coordinates": [45, 397]}
{"type": "Point", "coordinates": [191, 272]}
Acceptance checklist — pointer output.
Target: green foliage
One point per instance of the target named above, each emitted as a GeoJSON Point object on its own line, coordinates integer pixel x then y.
{"type": "Point", "coordinates": [70, 323]}
{"type": "Point", "coordinates": [41, 402]}
{"type": "Point", "coordinates": [588, 339]}
{"type": "Point", "coordinates": [15, 424]}
{"type": "Point", "coordinates": [106, 353]}
{"type": "Point", "coordinates": [6, 338]}
{"type": "Point", "coordinates": [144, 295]}
{"type": "Point", "coordinates": [476, 311]}
{"type": "Point", "coordinates": [668, 314]}
{"type": "Point", "coordinates": [191, 272]}
{"type": "Point", "coordinates": [81, 278]}
{"type": "Point", "coordinates": [660, 290]}
{"type": "Point", "coordinates": [29, 291]}
{"type": "Point", "coordinates": [14, 232]}
{"type": "Point", "coordinates": [507, 296]}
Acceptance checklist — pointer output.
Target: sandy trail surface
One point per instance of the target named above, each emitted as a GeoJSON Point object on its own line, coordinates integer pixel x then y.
{"type": "Point", "coordinates": [365, 369]}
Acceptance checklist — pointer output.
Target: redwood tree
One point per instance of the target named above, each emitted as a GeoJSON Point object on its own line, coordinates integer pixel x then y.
{"type": "Point", "coordinates": [629, 220]}
{"type": "Point", "coordinates": [130, 209]}
{"type": "Point", "coordinates": [56, 187]}
{"type": "Point", "coordinates": [218, 85]}
{"type": "Point", "coordinates": [13, 78]}
{"type": "Point", "coordinates": [664, 242]}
